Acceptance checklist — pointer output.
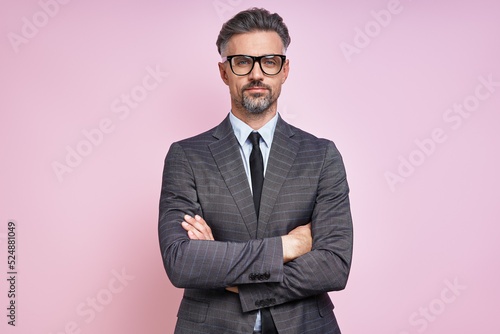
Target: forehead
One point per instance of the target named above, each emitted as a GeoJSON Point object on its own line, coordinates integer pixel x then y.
{"type": "Point", "coordinates": [256, 43]}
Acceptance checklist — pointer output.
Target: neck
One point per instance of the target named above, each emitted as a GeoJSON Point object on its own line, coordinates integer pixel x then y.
{"type": "Point", "coordinates": [255, 121]}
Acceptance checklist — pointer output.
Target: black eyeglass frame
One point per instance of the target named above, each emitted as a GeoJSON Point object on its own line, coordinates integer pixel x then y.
{"type": "Point", "coordinates": [255, 59]}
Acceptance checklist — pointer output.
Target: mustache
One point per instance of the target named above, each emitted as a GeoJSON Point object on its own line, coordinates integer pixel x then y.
{"type": "Point", "coordinates": [256, 84]}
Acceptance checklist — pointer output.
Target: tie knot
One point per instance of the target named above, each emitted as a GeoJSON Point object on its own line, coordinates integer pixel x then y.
{"type": "Point", "coordinates": [254, 138]}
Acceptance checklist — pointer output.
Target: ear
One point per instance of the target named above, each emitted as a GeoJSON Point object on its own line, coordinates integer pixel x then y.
{"type": "Point", "coordinates": [223, 73]}
{"type": "Point", "coordinates": [286, 68]}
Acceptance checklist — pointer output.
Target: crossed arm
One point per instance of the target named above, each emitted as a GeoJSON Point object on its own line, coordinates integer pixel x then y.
{"type": "Point", "coordinates": [296, 243]}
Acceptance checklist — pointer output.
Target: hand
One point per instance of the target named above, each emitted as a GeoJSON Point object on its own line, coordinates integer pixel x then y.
{"type": "Point", "coordinates": [197, 228]}
{"type": "Point", "coordinates": [297, 243]}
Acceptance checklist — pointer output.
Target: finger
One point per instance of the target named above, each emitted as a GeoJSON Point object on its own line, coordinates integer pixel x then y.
{"type": "Point", "coordinates": [196, 223]}
{"type": "Point", "coordinates": [199, 228]}
{"type": "Point", "coordinates": [189, 219]}
{"type": "Point", "coordinates": [192, 235]}
{"type": "Point", "coordinates": [203, 227]}
{"type": "Point", "coordinates": [192, 232]}
{"type": "Point", "coordinates": [187, 223]}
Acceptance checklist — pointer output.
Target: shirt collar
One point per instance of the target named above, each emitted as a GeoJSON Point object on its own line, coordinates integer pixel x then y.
{"type": "Point", "coordinates": [243, 130]}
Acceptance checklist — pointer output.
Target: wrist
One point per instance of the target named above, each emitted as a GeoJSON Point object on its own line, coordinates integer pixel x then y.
{"type": "Point", "coordinates": [287, 241]}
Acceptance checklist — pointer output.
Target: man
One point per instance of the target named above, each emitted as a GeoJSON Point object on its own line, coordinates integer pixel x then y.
{"type": "Point", "coordinates": [255, 227]}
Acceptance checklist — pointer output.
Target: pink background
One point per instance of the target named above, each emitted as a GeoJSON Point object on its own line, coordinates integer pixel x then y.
{"type": "Point", "coordinates": [435, 226]}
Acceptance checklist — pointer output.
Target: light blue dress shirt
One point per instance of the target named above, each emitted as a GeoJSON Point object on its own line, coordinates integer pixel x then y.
{"type": "Point", "coordinates": [242, 131]}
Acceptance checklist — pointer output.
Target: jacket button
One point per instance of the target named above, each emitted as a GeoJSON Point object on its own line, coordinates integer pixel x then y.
{"type": "Point", "coordinates": [267, 276]}
{"type": "Point", "coordinates": [258, 303]}
{"type": "Point", "coordinates": [251, 277]}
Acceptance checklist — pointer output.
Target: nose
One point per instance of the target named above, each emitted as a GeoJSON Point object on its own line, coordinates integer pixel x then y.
{"type": "Point", "coordinates": [256, 73]}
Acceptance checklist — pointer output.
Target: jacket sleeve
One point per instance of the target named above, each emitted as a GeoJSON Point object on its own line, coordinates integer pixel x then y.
{"type": "Point", "coordinates": [200, 263]}
{"type": "Point", "coordinates": [326, 267]}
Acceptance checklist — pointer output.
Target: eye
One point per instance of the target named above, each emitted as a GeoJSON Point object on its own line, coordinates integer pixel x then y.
{"type": "Point", "coordinates": [271, 61]}
{"type": "Point", "coordinates": [242, 61]}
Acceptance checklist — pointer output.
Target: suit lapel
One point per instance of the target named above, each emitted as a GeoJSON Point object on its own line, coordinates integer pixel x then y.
{"type": "Point", "coordinates": [227, 156]}
{"type": "Point", "coordinates": [281, 157]}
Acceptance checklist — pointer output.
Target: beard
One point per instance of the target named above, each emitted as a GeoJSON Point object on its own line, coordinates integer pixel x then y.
{"type": "Point", "coordinates": [257, 103]}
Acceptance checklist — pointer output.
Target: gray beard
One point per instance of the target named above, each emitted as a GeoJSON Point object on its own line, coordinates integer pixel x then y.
{"type": "Point", "coordinates": [257, 103]}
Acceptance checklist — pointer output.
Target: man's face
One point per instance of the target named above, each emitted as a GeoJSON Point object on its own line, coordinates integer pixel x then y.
{"type": "Point", "coordinates": [255, 92]}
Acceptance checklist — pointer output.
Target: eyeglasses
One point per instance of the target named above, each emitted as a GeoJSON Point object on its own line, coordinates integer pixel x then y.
{"type": "Point", "coordinates": [243, 65]}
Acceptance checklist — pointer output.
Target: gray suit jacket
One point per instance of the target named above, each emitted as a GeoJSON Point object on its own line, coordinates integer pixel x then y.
{"type": "Point", "coordinates": [305, 182]}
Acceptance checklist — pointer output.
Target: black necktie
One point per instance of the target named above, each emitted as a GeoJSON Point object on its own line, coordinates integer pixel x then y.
{"type": "Point", "coordinates": [256, 170]}
{"type": "Point", "coordinates": [257, 173]}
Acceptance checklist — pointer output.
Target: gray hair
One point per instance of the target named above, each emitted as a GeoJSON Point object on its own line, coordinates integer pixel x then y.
{"type": "Point", "coordinates": [253, 19]}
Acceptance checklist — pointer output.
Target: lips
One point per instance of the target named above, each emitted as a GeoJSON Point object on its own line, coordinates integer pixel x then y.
{"type": "Point", "coordinates": [256, 89]}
